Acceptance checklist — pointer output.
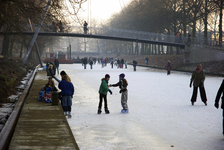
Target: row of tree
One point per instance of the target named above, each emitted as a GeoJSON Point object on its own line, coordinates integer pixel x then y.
{"type": "Point", "coordinates": [14, 16]}
{"type": "Point", "coordinates": [169, 16]}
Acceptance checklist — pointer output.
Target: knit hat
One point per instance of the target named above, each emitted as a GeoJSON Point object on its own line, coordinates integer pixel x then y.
{"type": "Point", "coordinates": [63, 73]}
{"type": "Point", "coordinates": [122, 75]}
{"type": "Point", "coordinates": [107, 76]}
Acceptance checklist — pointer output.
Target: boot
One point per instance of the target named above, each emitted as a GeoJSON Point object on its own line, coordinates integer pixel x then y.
{"type": "Point", "coordinates": [99, 111]}
{"type": "Point", "coordinates": [123, 111]}
{"type": "Point", "coordinates": [41, 94]}
{"type": "Point", "coordinates": [65, 113]}
{"type": "Point", "coordinates": [107, 111]}
{"type": "Point", "coordinates": [69, 114]}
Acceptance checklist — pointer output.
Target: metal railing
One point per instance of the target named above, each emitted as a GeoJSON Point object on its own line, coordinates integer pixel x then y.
{"type": "Point", "coordinates": [123, 33]}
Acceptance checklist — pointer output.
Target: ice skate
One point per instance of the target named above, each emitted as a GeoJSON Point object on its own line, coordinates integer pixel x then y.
{"type": "Point", "coordinates": [65, 113]}
{"type": "Point", "coordinates": [127, 111]}
{"type": "Point", "coordinates": [107, 111]}
{"type": "Point", "coordinates": [123, 111]}
{"type": "Point", "coordinates": [69, 115]}
{"type": "Point", "coordinates": [99, 111]}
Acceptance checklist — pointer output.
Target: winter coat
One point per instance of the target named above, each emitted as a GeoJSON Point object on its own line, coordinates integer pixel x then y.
{"type": "Point", "coordinates": [56, 62]}
{"type": "Point", "coordinates": [48, 89]}
{"type": "Point", "coordinates": [104, 87]}
{"type": "Point", "coordinates": [123, 83]}
{"type": "Point", "coordinates": [220, 91]}
{"type": "Point", "coordinates": [168, 66]}
{"type": "Point", "coordinates": [67, 88]}
{"type": "Point", "coordinates": [198, 78]}
{"type": "Point", "coordinates": [91, 62]}
{"type": "Point", "coordinates": [85, 61]}
{"type": "Point", "coordinates": [135, 63]}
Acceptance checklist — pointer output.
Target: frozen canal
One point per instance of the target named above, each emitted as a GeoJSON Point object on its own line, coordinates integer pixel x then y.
{"type": "Point", "coordinates": [160, 117]}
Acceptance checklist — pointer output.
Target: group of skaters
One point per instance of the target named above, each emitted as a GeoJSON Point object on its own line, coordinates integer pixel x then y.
{"type": "Point", "coordinates": [67, 90]}
{"type": "Point", "coordinates": [105, 61]}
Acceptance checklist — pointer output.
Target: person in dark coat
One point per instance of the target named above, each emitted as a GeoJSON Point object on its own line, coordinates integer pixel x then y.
{"type": "Point", "coordinates": [122, 63]}
{"type": "Point", "coordinates": [134, 64]}
{"type": "Point", "coordinates": [85, 27]}
{"type": "Point", "coordinates": [50, 69]}
{"type": "Point", "coordinates": [56, 63]}
{"type": "Point", "coordinates": [85, 62]}
{"type": "Point", "coordinates": [220, 91]}
{"type": "Point", "coordinates": [168, 67]}
{"type": "Point", "coordinates": [103, 94]}
{"type": "Point", "coordinates": [112, 64]}
{"type": "Point", "coordinates": [91, 64]}
{"type": "Point", "coordinates": [198, 77]}
{"type": "Point", "coordinates": [146, 60]}
{"type": "Point", "coordinates": [67, 92]}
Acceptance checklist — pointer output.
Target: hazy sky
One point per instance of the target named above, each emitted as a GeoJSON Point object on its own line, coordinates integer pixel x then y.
{"type": "Point", "coordinates": [103, 9]}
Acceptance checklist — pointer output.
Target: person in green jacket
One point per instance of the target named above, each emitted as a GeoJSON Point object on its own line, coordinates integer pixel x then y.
{"type": "Point", "coordinates": [103, 94]}
{"type": "Point", "coordinates": [198, 77]}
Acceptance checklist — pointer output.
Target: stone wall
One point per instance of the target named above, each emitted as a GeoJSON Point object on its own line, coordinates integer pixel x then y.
{"type": "Point", "coordinates": [196, 54]}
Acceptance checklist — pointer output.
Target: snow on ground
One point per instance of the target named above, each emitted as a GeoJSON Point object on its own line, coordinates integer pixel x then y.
{"type": "Point", "coordinates": [161, 116]}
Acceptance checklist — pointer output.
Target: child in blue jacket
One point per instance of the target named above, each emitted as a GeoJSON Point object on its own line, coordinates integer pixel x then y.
{"type": "Point", "coordinates": [67, 91]}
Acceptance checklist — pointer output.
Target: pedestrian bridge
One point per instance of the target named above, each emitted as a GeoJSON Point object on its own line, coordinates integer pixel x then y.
{"type": "Point", "coordinates": [123, 35]}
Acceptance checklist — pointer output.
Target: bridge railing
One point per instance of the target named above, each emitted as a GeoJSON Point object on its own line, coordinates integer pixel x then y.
{"type": "Point", "coordinates": [123, 33]}
{"type": "Point", "coordinates": [151, 36]}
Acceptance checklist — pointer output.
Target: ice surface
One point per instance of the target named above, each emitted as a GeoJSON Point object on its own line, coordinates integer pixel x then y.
{"type": "Point", "coordinates": [160, 112]}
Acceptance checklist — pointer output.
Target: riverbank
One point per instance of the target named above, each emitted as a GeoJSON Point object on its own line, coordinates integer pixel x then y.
{"type": "Point", "coordinates": [159, 61]}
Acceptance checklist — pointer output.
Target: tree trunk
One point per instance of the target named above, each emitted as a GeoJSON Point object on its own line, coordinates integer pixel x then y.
{"type": "Point", "coordinates": [220, 23]}
{"type": "Point", "coordinates": [206, 23]}
{"type": "Point", "coordinates": [21, 49]}
{"type": "Point", "coordinates": [5, 45]}
{"type": "Point", "coordinates": [184, 19]}
{"type": "Point", "coordinates": [12, 41]}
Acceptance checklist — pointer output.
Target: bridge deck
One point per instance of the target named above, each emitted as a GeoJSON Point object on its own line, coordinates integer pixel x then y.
{"type": "Point", "coordinates": [41, 125]}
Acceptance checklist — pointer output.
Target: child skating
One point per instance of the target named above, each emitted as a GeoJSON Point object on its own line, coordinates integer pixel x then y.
{"type": "Point", "coordinates": [124, 92]}
{"type": "Point", "coordinates": [103, 94]}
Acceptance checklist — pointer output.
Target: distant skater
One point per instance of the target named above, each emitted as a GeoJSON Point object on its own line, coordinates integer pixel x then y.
{"type": "Point", "coordinates": [134, 64]}
{"type": "Point", "coordinates": [123, 83]}
{"type": "Point", "coordinates": [126, 64]}
{"type": "Point", "coordinates": [112, 64]}
{"type": "Point", "coordinates": [56, 63]}
{"type": "Point", "coordinates": [91, 64]}
{"type": "Point", "coordinates": [220, 91]}
{"type": "Point", "coordinates": [198, 77]}
{"type": "Point", "coordinates": [168, 67]}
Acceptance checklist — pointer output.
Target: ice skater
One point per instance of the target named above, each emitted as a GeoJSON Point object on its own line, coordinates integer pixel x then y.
{"type": "Point", "coordinates": [134, 64]}
{"type": "Point", "coordinates": [220, 91]}
{"type": "Point", "coordinates": [103, 94]}
{"type": "Point", "coordinates": [168, 67]}
{"type": "Point", "coordinates": [198, 77]}
{"type": "Point", "coordinates": [124, 92]}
